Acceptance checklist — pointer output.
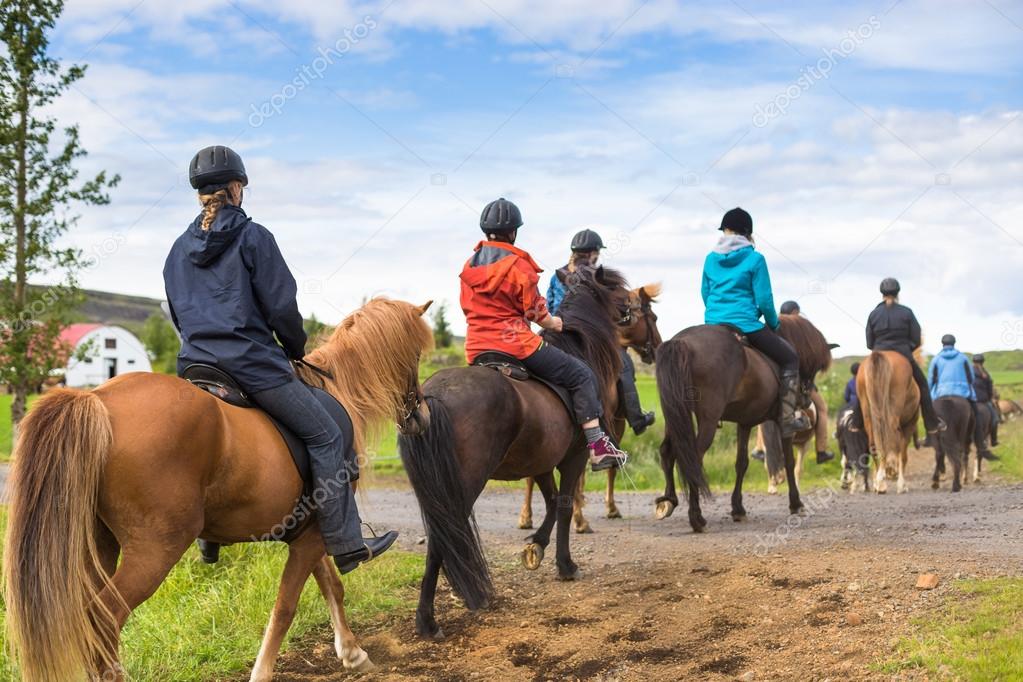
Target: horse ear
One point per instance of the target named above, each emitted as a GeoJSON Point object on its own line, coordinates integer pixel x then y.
{"type": "Point", "coordinates": [423, 308]}
{"type": "Point", "coordinates": [600, 275]}
{"type": "Point", "coordinates": [648, 292]}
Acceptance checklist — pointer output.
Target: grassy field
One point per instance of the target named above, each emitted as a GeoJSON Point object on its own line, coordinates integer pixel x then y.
{"type": "Point", "coordinates": [978, 635]}
{"type": "Point", "coordinates": [206, 622]}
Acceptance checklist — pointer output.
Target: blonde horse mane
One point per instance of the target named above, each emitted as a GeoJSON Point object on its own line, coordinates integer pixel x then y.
{"type": "Point", "coordinates": [371, 357]}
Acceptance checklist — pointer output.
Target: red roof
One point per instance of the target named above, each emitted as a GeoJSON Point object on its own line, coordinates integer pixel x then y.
{"type": "Point", "coordinates": [74, 333]}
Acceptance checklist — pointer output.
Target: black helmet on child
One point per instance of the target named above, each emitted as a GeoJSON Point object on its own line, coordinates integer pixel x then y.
{"type": "Point", "coordinates": [855, 368]}
{"type": "Point", "coordinates": [587, 240]}
{"type": "Point", "coordinates": [978, 358]}
{"type": "Point", "coordinates": [890, 287]}
{"type": "Point", "coordinates": [738, 221]}
{"type": "Point", "coordinates": [948, 340]}
{"type": "Point", "coordinates": [500, 217]}
{"type": "Point", "coordinates": [789, 308]}
{"type": "Point", "coordinates": [214, 167]}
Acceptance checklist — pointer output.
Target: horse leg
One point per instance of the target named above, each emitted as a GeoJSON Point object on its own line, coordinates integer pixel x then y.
{"type": "Point", "coordinates": [352, 656]}
{"type": "Point", "coordinates": [144, 567]}
{"type": "Point", "coordinates": [426, 621]}
{"type": "Point", "coordinates": [303, 555]}
{"type": "Point", "coordinates": [533, 553]}
{"type": "Point", "coordinates": [706, 430]}
{"type": "Point", "coordinates": [741, 464]}
{"type": "Point", "coordinates": [578, 502]}
{"type": "Point", "coordinates": [666, 503]}
{"type": "Point", "coordinates": [570, 469]}
{"type": "Point", "coordinates": [795, 504]}
{"type": "Point", "coordinates": [936, 478]}
{"type": "Point", "coordinates": [526, 515]}
{"type": "Point", "coordinates": [609, 495]}
{"type": "Point", "coordinates": [957, 470]}
{"type": "Point", "coordinates": [901, 486]}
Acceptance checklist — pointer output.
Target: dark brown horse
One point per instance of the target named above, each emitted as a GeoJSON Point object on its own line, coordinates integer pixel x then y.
{"type": "Point", "coordinates": [705, 373]}
{"type": "Point", "coordinates": [954, 442]}
{"type": "Point", "coordinates": [637, 329]}
{"type": "Point", "coordinates": [484, 426]}
{"type": "Point", "coordinates": [140, 467]}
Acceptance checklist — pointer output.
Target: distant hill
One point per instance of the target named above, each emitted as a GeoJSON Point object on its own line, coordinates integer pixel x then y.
{"type": "Point", "coordinates": [126, 311]}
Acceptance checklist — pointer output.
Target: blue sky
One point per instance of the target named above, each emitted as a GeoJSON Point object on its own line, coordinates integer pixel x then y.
{"type": "Point", "coordinates": [643, 120]}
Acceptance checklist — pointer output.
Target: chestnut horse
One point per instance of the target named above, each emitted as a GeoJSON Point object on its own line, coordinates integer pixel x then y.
{"type": "Point", "coordinates": [484, 426]}
{"type": "Point", "coordinates": [705, 373]}
{"type": "Point", "coordinates": [637, 329]}
{"type": "Point", "coordinates": [146, 463]}
{"type": "Point", "coordinates": [890, 401]}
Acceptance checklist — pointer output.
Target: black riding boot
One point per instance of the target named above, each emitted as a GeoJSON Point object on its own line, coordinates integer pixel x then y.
{"type": "Point", "coordinates": [792, 421]}
{"type": "Point", "coordinates": [932, 422]}
{"type": "Point", "coordinates": [634, 414]}
{"type": "Point", "coordinates": [995, 420]}
{"type": "Point", "coordinates": [210, 551]}
{"type": "Point", "coordinates": [979, 436]}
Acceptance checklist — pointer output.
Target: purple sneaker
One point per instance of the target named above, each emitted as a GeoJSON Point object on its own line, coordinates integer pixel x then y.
{"type": "Point", "coordinates": [604, 455]}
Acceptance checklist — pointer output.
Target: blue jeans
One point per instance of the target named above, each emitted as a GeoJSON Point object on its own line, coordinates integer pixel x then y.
{"type": "Point", "coordinates": [294, 405]}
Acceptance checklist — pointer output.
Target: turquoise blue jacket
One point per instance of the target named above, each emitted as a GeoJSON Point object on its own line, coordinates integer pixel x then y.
{"type": "Point", "coordinates": [737, 287]}
{"type": "Point", "coordinates": [951, 373]}
{"type": "Point", "coordinates": [555, 294]}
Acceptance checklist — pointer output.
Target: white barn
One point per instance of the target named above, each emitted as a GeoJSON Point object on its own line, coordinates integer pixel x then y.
{"type": "Point", "coordinates": [112, 351]}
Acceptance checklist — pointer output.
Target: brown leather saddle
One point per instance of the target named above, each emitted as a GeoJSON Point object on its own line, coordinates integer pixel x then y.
{"type": "Point", "coordinates": [512, 368]}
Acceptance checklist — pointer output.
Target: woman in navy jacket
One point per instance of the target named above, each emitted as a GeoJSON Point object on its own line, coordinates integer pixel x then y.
{"type": "Point", "coordinates": [230, 293]}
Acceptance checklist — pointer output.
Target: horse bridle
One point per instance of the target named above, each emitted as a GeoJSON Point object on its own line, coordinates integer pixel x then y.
{"type": "Point", "coordinates": [626, 320]}
{"type": "Point", "coordinates": [413, 397]}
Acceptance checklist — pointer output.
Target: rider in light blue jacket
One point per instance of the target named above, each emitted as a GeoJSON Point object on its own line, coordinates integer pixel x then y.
{"type": "Point", "coordinates": [737, 292]}
{"type": "Point", "coordinates": [951, 372]}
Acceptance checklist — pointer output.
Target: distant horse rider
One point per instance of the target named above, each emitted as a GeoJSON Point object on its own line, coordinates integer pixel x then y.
{"type": "Point", "coordinates": [820, 433]}
{"type": "Point", "coordinates": [586, 247]}
{"type": "Point", "coordinates": [500, 299]}
{"type": "Point", "coordinates": [984, 387]}
{"type": "Point", "coordinates": [737, 292]}
{"type": "Point", "coordinates": [892, 326]}
{"type": "Point", "coordinates": [952, 374]}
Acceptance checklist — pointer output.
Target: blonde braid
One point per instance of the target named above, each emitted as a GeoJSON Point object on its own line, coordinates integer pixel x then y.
{"type": "Point", "coordinates": [211, 205]}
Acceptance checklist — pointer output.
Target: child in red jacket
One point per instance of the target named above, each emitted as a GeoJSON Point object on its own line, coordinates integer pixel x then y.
{"type": "Point", "coordinates": [500, 298]}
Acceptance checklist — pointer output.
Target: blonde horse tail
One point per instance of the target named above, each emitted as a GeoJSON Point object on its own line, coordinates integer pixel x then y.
{"type": "Point", "coordinates": [879, 395]}
{"type": "Point", "coordinates": [53, 574]}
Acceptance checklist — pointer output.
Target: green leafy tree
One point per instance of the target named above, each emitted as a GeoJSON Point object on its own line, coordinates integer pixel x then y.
{"type": "Point", "coordinates": [161, 343]}
{"type": "Point", "coordinates": [442, 336]}
{"type": "Point", "coordinates": [314, 331]}
{"type": "Point", "coordinates": [39, 190]}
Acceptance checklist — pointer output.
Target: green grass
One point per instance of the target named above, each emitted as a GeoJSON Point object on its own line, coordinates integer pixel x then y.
{"type": "Point", "coordinates": [206, 622]}
{"type": "Point", "coordinates": [5, 427]}
{"type": "Point", "coordinates": [978, 635]}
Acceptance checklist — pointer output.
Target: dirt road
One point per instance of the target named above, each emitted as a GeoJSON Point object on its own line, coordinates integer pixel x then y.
{"type": "Point", "coordinates": [821, 596]}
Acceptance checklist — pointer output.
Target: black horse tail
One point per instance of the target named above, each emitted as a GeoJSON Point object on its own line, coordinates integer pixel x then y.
{"type": "Point", "coordinates": [677, 391]}
{"type": "Point", "coordinates": [451, 529]}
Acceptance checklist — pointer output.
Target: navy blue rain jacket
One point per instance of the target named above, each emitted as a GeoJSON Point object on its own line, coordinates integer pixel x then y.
{"type": "Point", "coordinates": [230, 292]}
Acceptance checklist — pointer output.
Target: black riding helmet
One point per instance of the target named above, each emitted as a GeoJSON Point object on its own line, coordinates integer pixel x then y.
{"type": "Point", "coordinates": [789, 308]}
{"type": "Point", "coordinates": [890, 287]}
{"type": "Point", "coordinates": [738, 221]}
{"type": "Point", "coordinates": [587, 240]}
{"type": "Point", "coordinates": [213, 168]}
{"type": "Point", "coordinates": [500, 217]}
{"type": "Point", "coordinates": [978, 358]}
{"type": "Point", "coordinates": [948, 340]}
{"type": "Point", "coordinates": [854, 370]}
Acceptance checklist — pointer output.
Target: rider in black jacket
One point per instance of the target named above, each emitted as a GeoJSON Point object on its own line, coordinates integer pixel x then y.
{"type": "Point", "coordinates": [893, 326]}
{"type": "Point", "coordinates": [230, 293]}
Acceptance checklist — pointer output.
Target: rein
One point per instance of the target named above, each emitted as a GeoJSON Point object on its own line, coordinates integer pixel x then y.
{"type": "Point", "coordinates": [318, 370]}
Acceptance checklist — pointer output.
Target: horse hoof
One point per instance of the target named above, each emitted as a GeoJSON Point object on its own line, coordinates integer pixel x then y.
{"type": "Point", "coordinates": [798, 510]}
{"type": "Point", "coordinates": [665, 508]}
{"type": "Point", "coordinates": [526, 525]}
{"type": "Point", "coordinates": [698, 524]}
{"type": "Point", "coordinates": [583, 528]}
{"type": "Point", "coordinates": [570, 577]}
{"type": "Point", "coordinates": [614, 514]}
{"type": "Point", "coordinates": [772, 490]}
{"type": "Point", "coordinates": [532, 556]}
{"type": "Point", "coordinates": [738, 517]}
{"type": "Point", "coordinates": [935, 485]}
{"type": "Point", "coordinates": [360, 663]}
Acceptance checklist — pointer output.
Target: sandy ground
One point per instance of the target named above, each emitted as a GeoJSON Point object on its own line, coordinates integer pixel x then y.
{"type": "Point", "coordinates": [822, 596]}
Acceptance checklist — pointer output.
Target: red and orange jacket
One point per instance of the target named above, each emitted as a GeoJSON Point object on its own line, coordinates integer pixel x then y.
{"type": "Point", "coordinates": [500, 298]}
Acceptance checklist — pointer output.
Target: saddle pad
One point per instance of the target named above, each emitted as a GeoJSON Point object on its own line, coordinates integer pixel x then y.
{"type": "Point", "coordinates": [513, 369]}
